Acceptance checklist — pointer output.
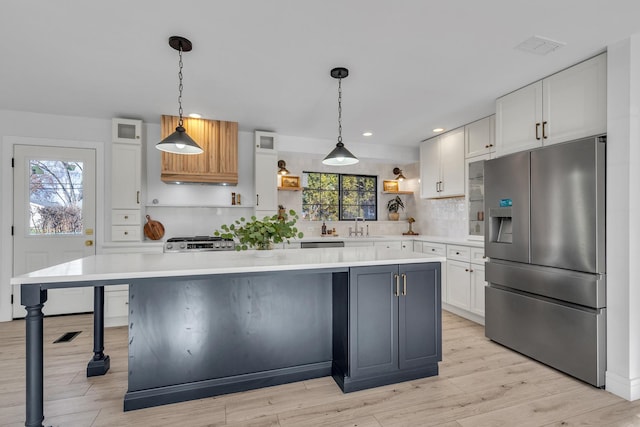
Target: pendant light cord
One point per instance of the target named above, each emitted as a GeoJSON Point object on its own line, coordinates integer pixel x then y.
{"type": "Point", "coordinates": [180, 86]}
{"type": "Point", "coordinates": [340, 110]}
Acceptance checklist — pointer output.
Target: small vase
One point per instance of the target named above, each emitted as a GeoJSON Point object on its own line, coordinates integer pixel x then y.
{"type": "Point", "coordinates": [264, 250]}
{"type": "Point", "coordinates": [394, 216]}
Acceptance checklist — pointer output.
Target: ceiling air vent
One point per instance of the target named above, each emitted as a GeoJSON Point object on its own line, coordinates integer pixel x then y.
{"type": "Point", "coordinates": [539, 45]}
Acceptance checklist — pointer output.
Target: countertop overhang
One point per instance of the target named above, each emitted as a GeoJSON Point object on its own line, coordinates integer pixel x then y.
{"type": "Point", "coordinates": [108, 267]}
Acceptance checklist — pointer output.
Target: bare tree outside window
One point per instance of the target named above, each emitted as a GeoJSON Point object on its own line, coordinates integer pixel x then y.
{"type": "Point", "coordinates": [55, 199]}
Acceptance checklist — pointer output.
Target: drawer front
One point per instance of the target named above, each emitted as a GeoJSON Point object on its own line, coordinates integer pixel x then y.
{"type": "Point", "coordinates": [477, 256]}
{"type": "Point", "coordinates": [460, 253]}
{"type": "Point", "coordinates": [125, 217]}
{"type": "Point", "coordinates": [434, 248]}
{"type": "Point", "coordinates": [121, 233]}
{"type": "Point", "coordinates": [389, 245]}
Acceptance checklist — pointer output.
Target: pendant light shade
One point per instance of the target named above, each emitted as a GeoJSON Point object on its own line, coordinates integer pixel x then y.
{"type": "Point", "coordinates": [340, 156]}
{"type": "Point", "coordinates": [179, 142]}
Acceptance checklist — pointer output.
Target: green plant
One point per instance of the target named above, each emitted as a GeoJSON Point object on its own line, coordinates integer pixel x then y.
{"type": "Point", "coordinates": [261, 234]}
{"type": "Point", "coordinates": [395, 204]}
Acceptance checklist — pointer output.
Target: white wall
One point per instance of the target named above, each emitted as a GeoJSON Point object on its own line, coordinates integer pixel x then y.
{"type": "Point", "coordinates": [623, 213]}
{"type": "Point", "coordinates": [29, 128]}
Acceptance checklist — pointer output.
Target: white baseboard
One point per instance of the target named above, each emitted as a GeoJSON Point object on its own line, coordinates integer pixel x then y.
{"type": "Point", "coordinates": [626, 388]}
{"type": "Point", "coordinates": [463, 313]}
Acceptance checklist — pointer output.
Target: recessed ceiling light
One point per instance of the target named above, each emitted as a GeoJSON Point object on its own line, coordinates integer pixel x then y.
{"type": "Point", "coordinates": [438, 130]}
{"type": "Point", "coordinates": [367, 134]}
{"type": "Point", "coordinates": [195, 116]}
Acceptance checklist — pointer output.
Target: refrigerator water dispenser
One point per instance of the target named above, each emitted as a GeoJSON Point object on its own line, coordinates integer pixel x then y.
{"type": "Point", "coordinates": [501, 225]}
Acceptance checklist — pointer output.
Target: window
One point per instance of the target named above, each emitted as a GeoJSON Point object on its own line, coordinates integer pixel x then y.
{"type": "Point", "coordinates": [336, 197]}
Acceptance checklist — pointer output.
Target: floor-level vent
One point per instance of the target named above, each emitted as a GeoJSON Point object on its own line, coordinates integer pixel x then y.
{"type": "Point", "coordinates": [68, 336]}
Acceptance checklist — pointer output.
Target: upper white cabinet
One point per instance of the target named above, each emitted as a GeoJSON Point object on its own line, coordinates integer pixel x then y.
{"type": "Point", "coordinates": [266, 142]}
{"type": "Point", "coordinates": [479, 137]}
{"type": "Point", "coordinates": [568, 105]}
{"type": "Point", "coordinates": [442, 165]}
{"type": "Point", "coordinates": [266, 174]}
{"type": "Point", "coordinates": [128, 131]}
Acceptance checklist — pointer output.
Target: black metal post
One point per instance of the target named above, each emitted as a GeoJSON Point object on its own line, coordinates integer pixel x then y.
{"type": "Point", "coordinates": [100, 363]}
{"type": "Point", "coordinates": [33, 298]}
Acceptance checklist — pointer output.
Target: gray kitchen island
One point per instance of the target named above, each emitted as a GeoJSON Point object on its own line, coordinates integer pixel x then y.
{"type": "Point", "coordinates": [203, 324]}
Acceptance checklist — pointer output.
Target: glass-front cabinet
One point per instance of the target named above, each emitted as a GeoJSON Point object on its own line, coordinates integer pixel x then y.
{"type": "Point", "coordinates": [475, 196]}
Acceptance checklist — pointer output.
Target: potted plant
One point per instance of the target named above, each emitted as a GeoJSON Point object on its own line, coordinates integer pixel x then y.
{"type": "Point", "coordinates": [393, 206]}
{"type": "Point", "coordinates": [261, 234]}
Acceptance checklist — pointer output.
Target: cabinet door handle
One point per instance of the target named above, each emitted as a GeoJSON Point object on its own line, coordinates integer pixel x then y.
{"type": "Point", "coordinates": [537, 133]}
{"type": "Point", "coordinates": [138, 197]}
{"type": "Point", "coordinates": [466, 269]}
{"type": "Point", "coordinates": [457, 253]}
{"type": "Point", "coordinates": [404, 284]}
{"type": "Point", "coordinates": [397, 292]}
{"type": "Point", "coordinates": [471, 270]}
{"type": "Point", "coordinates": [544, 132]}
{"type": "Point", "coordinates": [257, 200]}
{"type": "Point", "coordinates": [437, 187]}
{"type": "Point", "coordinates": [126, 217]}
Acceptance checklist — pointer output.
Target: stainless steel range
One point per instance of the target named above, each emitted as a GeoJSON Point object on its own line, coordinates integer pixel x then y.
{"type": "Point", "coordinates": [198, 244]}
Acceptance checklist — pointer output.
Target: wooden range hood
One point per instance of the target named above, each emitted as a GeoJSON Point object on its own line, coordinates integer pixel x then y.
{"type": "Point", "coordinates": [218, 164]}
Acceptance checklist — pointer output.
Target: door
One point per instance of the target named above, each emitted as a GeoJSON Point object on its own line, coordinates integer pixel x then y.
{"type": "Point", "coordinates": [430, 168]}
{"type": "Point", "coordinates": [506, 201]}
{"type": "Point", "coordinates": [519, 120]}
{"type": "Point", "coordinates": [568, 206]}
{"type": "Point", "coordinates": [419, 341]}
{"type": "Point", "coordinates": [53, 218]}
{"type": "Point", "coordinates": [452, 163]}
{"type": "Point", "coordinates": [373, 304]}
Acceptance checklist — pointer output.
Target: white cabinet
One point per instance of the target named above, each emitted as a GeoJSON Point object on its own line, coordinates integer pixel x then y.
{"type": "Point", "coordinates": [442, 165]}
{"type": "Point", "coordinates": [116, 305]}
{"type": "Point", "coordinates": [266, 183]}
{"type": "Point", "coordinates": [479, 137]}
{"type": "Point", "coordinates": [126, 131]}
{"type": "Point", "coordinates": [266, 142]}
{"type": "Point", "coordinates": [126, 180]}
{"type": "Point", "coordinates": [568, 105]}
{"type": "Point", "coordinates": [465, 278]}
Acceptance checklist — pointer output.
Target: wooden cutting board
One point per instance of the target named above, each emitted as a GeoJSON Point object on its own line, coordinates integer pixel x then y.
{"type": "Point", "coordinates": [153, 229]}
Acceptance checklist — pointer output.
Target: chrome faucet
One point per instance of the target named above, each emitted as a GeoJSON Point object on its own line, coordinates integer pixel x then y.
{"type": "Point", "coordinates": [357, 232]}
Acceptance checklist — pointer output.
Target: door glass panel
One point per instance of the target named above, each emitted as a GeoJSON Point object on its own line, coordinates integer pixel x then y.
{"type": "Point", "coordinates": [476, 198]}
{"type": "Point", "coordinates": [55, 197]}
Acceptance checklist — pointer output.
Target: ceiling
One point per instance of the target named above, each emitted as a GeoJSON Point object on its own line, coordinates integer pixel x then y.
{"type": "Point", "coordinates": [414, 64]}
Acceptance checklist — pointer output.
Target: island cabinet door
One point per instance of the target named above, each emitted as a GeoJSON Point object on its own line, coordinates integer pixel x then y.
{"type": "Point", "coordinates": [373, 320]}
{"type": "Point", "coordinates": [419, 341]}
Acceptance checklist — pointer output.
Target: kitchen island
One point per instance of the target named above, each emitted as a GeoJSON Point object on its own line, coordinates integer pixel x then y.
{"type": "Point", "coordinates": [202, 324]}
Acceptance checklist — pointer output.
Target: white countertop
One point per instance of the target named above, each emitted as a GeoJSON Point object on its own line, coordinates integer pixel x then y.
{"type": "Point", "coordinates": [422, 238]}
{"type": "Point", "coordinates": [149, 265]}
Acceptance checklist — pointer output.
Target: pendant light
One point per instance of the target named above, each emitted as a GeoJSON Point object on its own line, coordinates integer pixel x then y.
{"type": "Point", "coordinates": [340, 156]}
{"type": "Point", "coordinates": [179, 142]}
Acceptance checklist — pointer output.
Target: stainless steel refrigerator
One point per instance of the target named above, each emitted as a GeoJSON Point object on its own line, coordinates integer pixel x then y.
{"type": "Point", "coordinates": [545, 240]}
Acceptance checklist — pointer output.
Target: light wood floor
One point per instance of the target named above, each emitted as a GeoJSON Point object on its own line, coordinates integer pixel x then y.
{"type": "Point", "coordinates": [480, 384]}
